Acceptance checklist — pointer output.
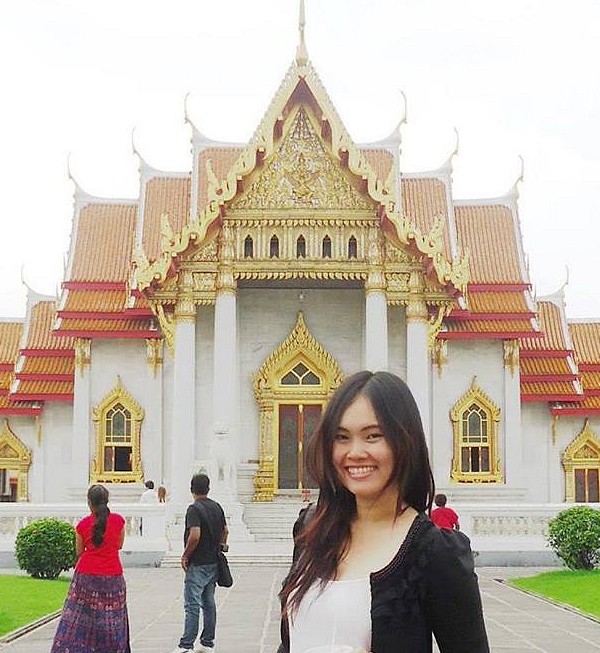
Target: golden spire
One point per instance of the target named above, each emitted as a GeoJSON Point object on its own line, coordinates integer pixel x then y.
{"type": "Point", "coordinates": [301, 52]}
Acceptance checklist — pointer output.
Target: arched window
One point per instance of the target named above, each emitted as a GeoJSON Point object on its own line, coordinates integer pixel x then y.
{"type": "Point", "coordinates": [117, 420]}
{"type": "Point", "coordinates": [300, 375]}
{"type": "Point", "coordinates": [274, 247]}
{"type": "Point", "coordinates": [327, 247]}
{"type": "Point", "coordinates": [15, 460]}
{"type": "Point", "coordinates": [581, 461]}
{"type": "Point", "coordinates": [248, 247]}
{"type": "Point", "coordinates": [475, 420]}
{"type": "Point", "coordinates": [352, 247]}
{"type": "Point", "coordinates": [301, 247]}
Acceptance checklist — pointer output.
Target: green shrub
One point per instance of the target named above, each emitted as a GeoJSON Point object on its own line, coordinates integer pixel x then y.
{"type": "Point", "coordinates": [574, 534]}
{"type": "Point", "coordinates": [46, 547]}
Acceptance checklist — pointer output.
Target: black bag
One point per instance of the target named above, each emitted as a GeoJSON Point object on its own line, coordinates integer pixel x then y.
{"type": "Point", "coordinates": [224, 577]}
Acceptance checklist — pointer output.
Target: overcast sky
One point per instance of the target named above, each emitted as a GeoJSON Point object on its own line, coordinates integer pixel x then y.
{"type": "Point", "coordinates": [515, 77]}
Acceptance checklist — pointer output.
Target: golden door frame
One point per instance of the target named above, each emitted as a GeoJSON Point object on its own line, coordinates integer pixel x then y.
{"type": "Point", "coordinates": [582, 453]}
{"type": "Point", "coordinates": [270, 392]}
{"type": "Point", "coordinates": [15, 455]}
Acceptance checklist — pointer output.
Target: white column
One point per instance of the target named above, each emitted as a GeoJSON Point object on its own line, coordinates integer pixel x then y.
{"type": "Point", "coordinates": [82, 422]}
{"type": "Point", "coordinates": [184, 402]}
{"type": "Point", "coordinates": [376, 331]}
{"type": "Point", "coordinates": [418, 365]}
{"type": "Point", "coordinates": [225, 397]}
{"type": "Point", "coordinates": [513, 461]}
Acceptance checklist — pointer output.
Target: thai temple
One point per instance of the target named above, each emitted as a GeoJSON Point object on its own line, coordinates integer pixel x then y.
{"type": "Point", "coordinates": [204, 323]}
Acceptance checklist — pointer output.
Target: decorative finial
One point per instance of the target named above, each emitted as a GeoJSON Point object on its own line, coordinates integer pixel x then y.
{"type": "Point", "coordinates": [133, 147]}
{"type": "Point", "coordinates": [456, 147]}
{"type": "Point", "coordinates": [301, 52]}
{"type": "Point", "coordinates": [186, 115]}
{"type": "Point", "coordinates": [405, 117]}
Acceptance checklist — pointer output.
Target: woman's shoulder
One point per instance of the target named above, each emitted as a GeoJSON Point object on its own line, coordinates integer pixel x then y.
{"type": "Point", "coordinates": [116, 519]}
{"type": "Point", "coordinates": [445, 549]}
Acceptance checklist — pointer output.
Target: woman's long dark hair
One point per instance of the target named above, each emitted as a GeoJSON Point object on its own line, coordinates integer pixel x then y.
{"type": "Point", "coordinates": [324, 541]}
{"type": "Point", "coordinates": [98, 498]}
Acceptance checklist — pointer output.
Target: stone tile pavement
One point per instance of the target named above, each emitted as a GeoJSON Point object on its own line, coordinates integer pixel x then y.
{"type": "Point", "coordinates": [248, 615]}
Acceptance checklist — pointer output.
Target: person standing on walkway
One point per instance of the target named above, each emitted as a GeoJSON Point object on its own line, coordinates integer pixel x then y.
{"type": "Point", "coordinates": [442, 516]}
{"type": "Point", "coordinates": [94, 616]}
{"type": "Point", "coordinates": [205, 532]}
{"type": "Point", "coordinates": [149, 495]}
{"type": "Point", "coordinates": [372, 571]}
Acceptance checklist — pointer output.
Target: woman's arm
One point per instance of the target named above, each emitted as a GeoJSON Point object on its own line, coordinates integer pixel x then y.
{"type": "Point", "coordinates": [78, 544]}
{"type": "Point", "coordinates": [453, 601]}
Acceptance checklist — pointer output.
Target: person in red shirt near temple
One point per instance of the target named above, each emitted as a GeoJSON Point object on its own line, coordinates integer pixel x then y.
{"type": "Point", "coordinates": [94, 616]}
{"type": "Point", "coordinates": [444, 517]}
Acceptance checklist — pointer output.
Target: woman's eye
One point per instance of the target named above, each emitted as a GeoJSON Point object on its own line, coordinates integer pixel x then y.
{"type": "Point", "coordinates": [340, 437]}
{"type": "Point", "coordinates": [374, 436]}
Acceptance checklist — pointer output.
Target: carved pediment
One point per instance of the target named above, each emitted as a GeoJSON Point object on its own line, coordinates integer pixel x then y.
{"type": "Point", "coordinates": [302, 174]}
{"type": "Point", "coordinates": [585, 447]}
{"type": "Point", "coordinates": [11, 447]}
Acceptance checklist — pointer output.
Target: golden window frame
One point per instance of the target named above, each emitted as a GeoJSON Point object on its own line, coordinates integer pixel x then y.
{"type": "Point", "coordinates": [118, 395]}
{"type": "Point", "coordinates": [475, 397]}
{"type": "Point", "coordinates": [582, 453]}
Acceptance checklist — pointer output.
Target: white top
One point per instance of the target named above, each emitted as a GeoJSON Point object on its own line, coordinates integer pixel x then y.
{"type": "Point", "coordinates": [339, 614]}
{"type": "Point", "coordinates": [149, 496]}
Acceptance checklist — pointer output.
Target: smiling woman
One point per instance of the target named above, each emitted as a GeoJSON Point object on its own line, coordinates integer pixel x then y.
{"type": "Point", "coordinates": [371, 533]}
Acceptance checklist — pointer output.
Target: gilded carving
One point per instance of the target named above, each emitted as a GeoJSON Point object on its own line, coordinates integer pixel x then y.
{"type": "Point", "coordinates": [299, 347]}
{"type": "Point", "coordinates": [154, 353]}
{"type": "Point", "coordinates": [476, 402]}
{"type": "Point", "coordinates": [582, 454]}
{"type": "Point", "coordinates": [439, 354]}
{"type": "Point", "coordinates": [302, 175]}
{"type": "Point", "coordinates": [83, 354]}
{"type": "Point", "coordinates": [167, 325]}
{"type": "Point", "coordinates": [130, 416]}
{"type": "Point", "coordinates": [15, 456]}
{"type": "Point", "coordinates": [511, 355]}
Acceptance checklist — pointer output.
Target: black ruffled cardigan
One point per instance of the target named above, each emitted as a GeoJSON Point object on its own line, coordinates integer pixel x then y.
{"type": "Point", "coordinates": [430, 587]}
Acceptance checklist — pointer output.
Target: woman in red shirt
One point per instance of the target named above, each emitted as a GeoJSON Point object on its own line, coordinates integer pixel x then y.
{"type": "Point", "coordinates": [94, 617]}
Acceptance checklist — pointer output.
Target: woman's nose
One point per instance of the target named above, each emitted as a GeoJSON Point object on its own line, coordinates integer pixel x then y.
{"type": "Point", "coordinates": [357, 448]}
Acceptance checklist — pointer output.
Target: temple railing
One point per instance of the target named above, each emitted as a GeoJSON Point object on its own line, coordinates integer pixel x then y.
{"type": "Point", "coordinates": [147, 526]}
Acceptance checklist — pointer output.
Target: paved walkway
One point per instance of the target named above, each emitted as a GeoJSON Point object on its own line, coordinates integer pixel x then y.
{"type": "Point", "coordinates": [248, 616]}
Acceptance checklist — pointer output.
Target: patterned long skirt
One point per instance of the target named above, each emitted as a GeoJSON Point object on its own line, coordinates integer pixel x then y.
{"type": "Point", "coordinates": [94, 617]}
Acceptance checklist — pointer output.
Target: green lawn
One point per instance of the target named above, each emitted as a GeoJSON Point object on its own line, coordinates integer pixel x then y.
{"type": "Point", "coordinates": [580, 589]}
{"type": "Point", "coordinates": [25, 599]}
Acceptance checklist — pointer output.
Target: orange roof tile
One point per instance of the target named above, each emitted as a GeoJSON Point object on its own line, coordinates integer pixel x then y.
{"type": "Point", "coordinates": [5, 379]}
{"type": "Point", "coordinates": [10, 336]}
{"type": "Point", "coordinates": [40, 329]}
{"type": "Point", "coordinates": [164, 195]}
{"type": "Point", "coordinates": [104, 240]}
{"type": "Point", "coordinates": [106, 326]}
{"type": "Point", "coordinates": [551, 326]}
{"type": "Point", "coordinates": [44, 388]}
{"type": "Point", "coordinates": [590, 380]}
{"type": "Point", "coordinates": [95, 301]}
{"type": "Point", "coordinates": [423, 200]}
{"type": "Point", "coordinates": [488, 326]}
{"type": "Point", "coordinates": [586, 340]}
{"type": "Point", "coordinates": [498, 302]}
{"type": "Point", "coordinates": [8, 406]}
{"type": "Point", "coordinates": [380, 160]}
{"type": "Point", "coordinates": [221, 160]}
{"type": "Point", "coordinates": [487, 233]}
{"type": "Point", "coordinates": [545, 366]}
{"type": "Point", "coordinates": [44, 365]}
{"type": "Point", "coordinates": [552, 388]}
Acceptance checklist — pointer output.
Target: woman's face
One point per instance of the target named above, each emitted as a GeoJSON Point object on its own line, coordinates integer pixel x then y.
{"type": "Point", "coordinates": [362, 457]}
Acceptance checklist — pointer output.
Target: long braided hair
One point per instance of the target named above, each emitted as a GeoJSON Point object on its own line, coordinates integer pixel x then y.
{"type": "Point", "coordinates": [97, 497]}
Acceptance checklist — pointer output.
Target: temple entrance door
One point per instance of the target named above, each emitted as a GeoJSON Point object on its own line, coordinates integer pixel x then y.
{"type": "Point", "coordinates": [297, 423]}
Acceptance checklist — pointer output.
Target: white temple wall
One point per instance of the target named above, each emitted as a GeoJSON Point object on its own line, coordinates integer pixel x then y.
{"type": "Point", "coordinates": [544, 478]}
{"type": "Point", "coordinates": [128, 360]}
{"type": "Point", "coordinates": [466, 359]}
{"type": "Point", "coordinates": [397, 340]}
{"type": "Point", "coordinates": [52, 459]}
{"type": "Point", "coordinates": [167, 417]}
{"type": "Point", "coordinates": [205, 329]}
{"type": "Point", "coordinates": [266, 318]}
